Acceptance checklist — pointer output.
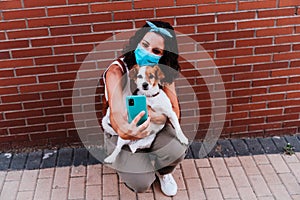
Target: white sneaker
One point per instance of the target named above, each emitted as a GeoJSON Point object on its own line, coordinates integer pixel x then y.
{"type": "Point", "coordinates": [167, 184]}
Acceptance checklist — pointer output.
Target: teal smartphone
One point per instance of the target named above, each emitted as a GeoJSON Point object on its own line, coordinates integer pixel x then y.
{"type": "Point", "coordinates": [136, 104]}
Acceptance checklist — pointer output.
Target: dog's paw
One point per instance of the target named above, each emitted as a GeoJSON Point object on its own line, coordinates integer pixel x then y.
{"type": "Point", "coordinates": [109, 159]}
{"type": "Point", "coordinates": [183, 140]}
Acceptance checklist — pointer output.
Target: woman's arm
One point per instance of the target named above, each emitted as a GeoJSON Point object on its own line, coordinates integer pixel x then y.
{"type": "Point", "coordinates": [170, 91]}
{"type": "Point", "coordinates": [118, 112]}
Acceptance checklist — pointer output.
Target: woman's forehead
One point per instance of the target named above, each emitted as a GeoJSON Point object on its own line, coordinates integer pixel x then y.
{"type": "Point", "coordinates": [155, 40]}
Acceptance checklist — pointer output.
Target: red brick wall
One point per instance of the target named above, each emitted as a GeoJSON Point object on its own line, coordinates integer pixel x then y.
{"type": "Point", "coordinates": [255, 45]}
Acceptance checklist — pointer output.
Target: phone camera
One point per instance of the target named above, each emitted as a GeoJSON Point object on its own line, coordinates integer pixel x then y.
{"type": "Point", "coordinates": [131, 102]}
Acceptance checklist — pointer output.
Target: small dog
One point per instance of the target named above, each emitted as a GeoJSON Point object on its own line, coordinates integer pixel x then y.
{"type": "Point", "coordinates": [147, 79]}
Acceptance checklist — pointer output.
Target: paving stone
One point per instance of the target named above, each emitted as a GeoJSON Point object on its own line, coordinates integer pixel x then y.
{"type": "Point", "coordinates": [189, 154]}
{"type": "Point", "coordinates": [49, 158]}
{"type": "Point", "coordinates": [215, 152]}
{"type": "Point", "coordinates": [268, 145]}
{"type": "Point", "coordinates": [34, 160]}
{"type": "Point", "coordinates": [280, 143]}
{"type": "Point", "coordinates": [227, 149]}
{"type": "Point", "coordinates": [254, 146]}
{"type": "Point", "coordinates": [240, 147]}
{"type": "Point", "coordinates": [18, 161]}
{"type": "Point", "coordinates": [64, 157]}
{"type": "Point", "coordinates": [5, 159]}
{"type": "Point", "coordinates": [198, 150]}
{"type": "Point", "coordinates": [294, 141]}
{"type": "Point", "coordinates": [80, 156]}
{"type": "Point", "coordinates": [94, 157]}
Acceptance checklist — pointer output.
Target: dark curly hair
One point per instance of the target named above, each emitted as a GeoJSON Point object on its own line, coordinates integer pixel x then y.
{"type": "Point", "coordinates": [168, 62]}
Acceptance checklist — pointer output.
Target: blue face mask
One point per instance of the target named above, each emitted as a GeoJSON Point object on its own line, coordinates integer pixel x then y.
{"type": "Point", "coordinates": [145, 58]}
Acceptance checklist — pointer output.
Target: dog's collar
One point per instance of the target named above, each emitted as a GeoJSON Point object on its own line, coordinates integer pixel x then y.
{"type": "Point", "coordinates": [154, 95]}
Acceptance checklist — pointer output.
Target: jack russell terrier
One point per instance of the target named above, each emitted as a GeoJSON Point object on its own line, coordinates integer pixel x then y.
{"type": "Point", "coordinates": [147, 79]}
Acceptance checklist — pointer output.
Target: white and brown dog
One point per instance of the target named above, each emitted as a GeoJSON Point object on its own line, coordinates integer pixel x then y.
{"type": "Point", "coordinates": [147, 79]}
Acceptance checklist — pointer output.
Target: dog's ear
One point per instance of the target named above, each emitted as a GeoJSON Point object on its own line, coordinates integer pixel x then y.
{"type": "Point", "coordinates": [133, 72]}
{"type": "Point", "coordinates": [158, 73]}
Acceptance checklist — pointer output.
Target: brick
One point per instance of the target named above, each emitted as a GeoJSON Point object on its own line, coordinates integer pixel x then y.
{"type": "Point", "coordinates": [112, 26]}
{"type": "Point", "coordinates": [279, 192]}
{"type": "Point", "coordinates": [31, 33]}
{"type": "Point", "coordinates": [9, 190]}
{"type": "Point", "coordinates": [90, 18]}
{"type": "Point", "coordinates": [219, 167]}
{"type": "Point", "coordinates": [28, 181]}
{"type": "Point", "coordinates": [290, 183]}
{"type": "Point", "coordinates": [274, 31]}
{"type": "Point", "coordinates": [272, 49]}
{"type": "Point", "coordinates": [289, 87]}
{"type": "Point", "coordinates": [9, 90]}
{"type": "Point", "coordinates": [133, 14]}
{"type": "Point", "coordinates": [249, 166]}
{"type": "Point", "coordinates": [195, 20]}
{"type": "Point", "coordinates": [110, 185]}
{"type": "Point", "coordinates": [208, 178]}
{"type": "Point", "coordinates": [126, 193]}
{"type": "Point", "coordinates": [25, 195]}
{"type": "Point", "coordinates": [80, 29]}
{"type": "Point", "coordinates": [4, 55]}
{"type": "Point", "coordinates": [287, 39]}
{"type": "Point", "coordinates": [189, 169]}
{"type": "Point", "coordinates": [21, 14]}
{"type": "Point", "coordinates": [43, 189]}
{"type": "Point", "coordinates": [235, 35]}
{"type": "Point", "coordinates": [54, 60]}
{"type": "Point", "coordinates": [33, 160]}
{"type": "Point", "coordinates": [269, 174]}
{"type": "Point", "coordinates": [115, 6]}
{"type": "Point", "coordinates": [246, 193]}
{"type": "Point", "coordinates": [48, 22]}
{"type": "Point", "coordinates": [61, 177]}
{"type": "Point", "coordinates": [216, 9]}
{"type": "Point", "coordinates": [255, 24]}
{"type": "Point", "coordinates": [28, 129]}
{"type": "Point", "coordinates": [16, 63]}
{"type": "Point", "coordinates": [93, 191]}
{"type": "Point", "coordinates": [213, 193]}
{"type": "Point", "coordinates": [32, 3]}
{"type": "Point", "coordinates": [194, 188]}
{"type": "Point", "coordinates": [14, 44]}
{"type": "Point", "coordinates": [254, 42]}
{"type": "Point", "coordinates": [5, 5]}
{"type": "Point", "coordinates": [161, 12]}
{"type": "Point", "coordinates": [227, 187]}
{"type": "Point", "coordinates": [94, 175]}
{"type": "Point", "coordinates": [152, 4]}
{"type": "Point", "coordinates": [253, 59]}
{"type": "Point", "coordinates": [261, 159]}
{"type": "Point", "coordinates": [255, 5]}
{"type": "Point", "coordinates": [67, 10]}
{"type": "Point", "coordinates": [295, 169]}
{"type": "Point", "coordinates": [288, 3]}
{"type": "Point", "coordinates": [92, 38]}
{"type": "Point", "coordinates": [12, 25]}
{"type": "Point", "coordinates": [76, 188]}
{"type": "Point", "coordinates": [13, 176]}
{"type": "Point", "coordinates": [276, 12]}
{"type": "Point", "coordinates": [59, 193]}
{"type": "Point", "coordinates": [278, 164]}
{"type": "Point", "coordinates": [259, 185]}
{"type": "Point", "coordinates": [53, 41]}
{"type": "Point", "coordinates": [240, 147]}
{"type": "Point", "coordinates": [188, 2]}
{"type": "Point", "coordinates": [270, 66]}
{"type": "Point", "coordinates": [73, 49]}
{"type": "Point", "coordinates": [31, 52]}
{"type": "Point", "coordinates": [234, 52]}
{"type": "Point", "coordinates": [236, 16]}
{"type": "Point", "coordinates": [278, 81]}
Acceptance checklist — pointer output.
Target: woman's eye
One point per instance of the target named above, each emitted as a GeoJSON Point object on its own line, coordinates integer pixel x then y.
{"type": "Point", "coordinates": [139, 76]}
{"type": "Point", "coordinates": [145, 45]}
{"type": "Point", "coordinates": [157, 51]}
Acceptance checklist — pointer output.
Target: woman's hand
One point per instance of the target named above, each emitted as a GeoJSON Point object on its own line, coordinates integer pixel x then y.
{"type": "Point", "coordinates": [156, 118]}
{"type": "Point", "coordinates": [131, 131]}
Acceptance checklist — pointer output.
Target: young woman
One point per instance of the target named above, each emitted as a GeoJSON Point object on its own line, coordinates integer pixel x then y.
{"type": "Point", "coordinates": [155, 43]}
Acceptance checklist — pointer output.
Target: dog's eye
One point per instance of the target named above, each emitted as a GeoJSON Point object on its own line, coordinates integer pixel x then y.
{"type": "Point", "coordinates": [151, 76]}
{"type": "Point", "coordinates": [139, 76]}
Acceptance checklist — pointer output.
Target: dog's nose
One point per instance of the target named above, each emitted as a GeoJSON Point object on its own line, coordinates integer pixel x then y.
{"type": "Point", "coordinates": [145, 86]}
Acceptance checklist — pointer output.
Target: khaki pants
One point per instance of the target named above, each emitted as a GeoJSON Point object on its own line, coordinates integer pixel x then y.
{"type": "Point", "coordinates": [138, 169]}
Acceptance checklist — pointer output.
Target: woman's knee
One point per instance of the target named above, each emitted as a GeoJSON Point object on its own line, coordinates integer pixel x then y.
{"type": "Point", "coordinates": [138, 182]}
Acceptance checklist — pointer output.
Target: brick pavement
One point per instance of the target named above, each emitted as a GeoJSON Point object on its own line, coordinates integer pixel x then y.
{"type": "Point", "coordinates": [265, 176]}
